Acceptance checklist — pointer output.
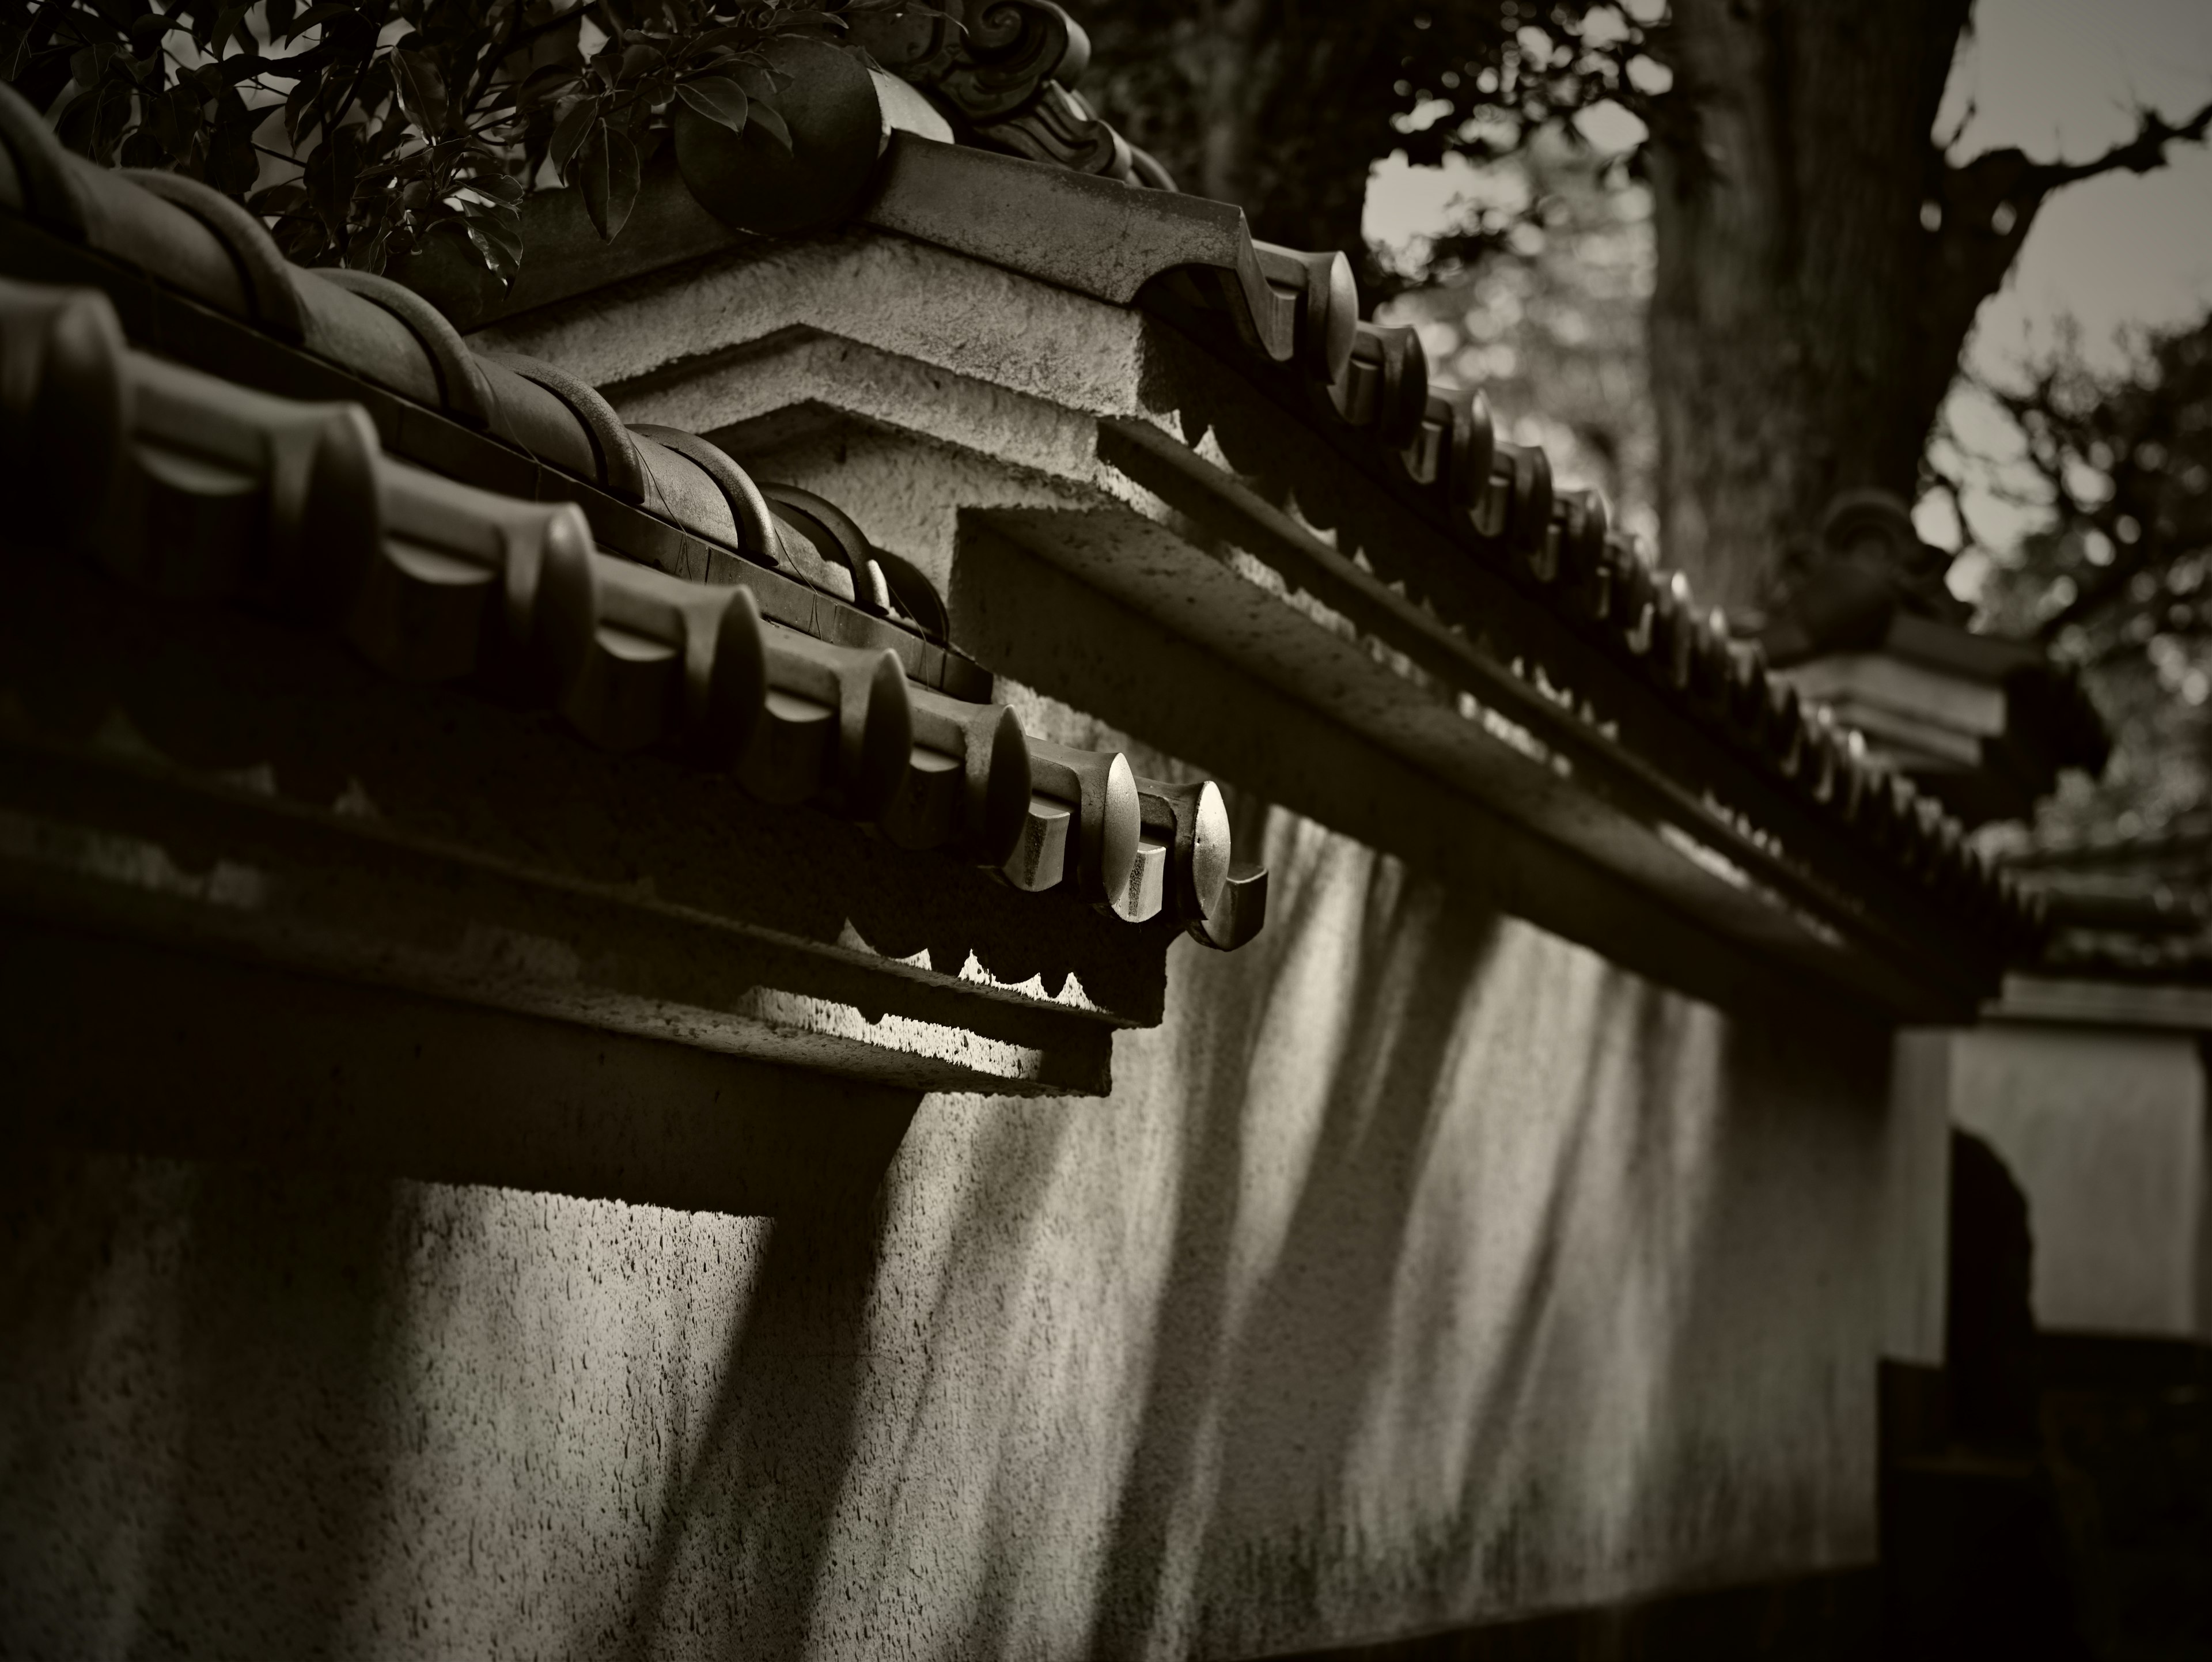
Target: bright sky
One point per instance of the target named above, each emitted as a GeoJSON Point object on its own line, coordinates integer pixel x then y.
{"type": "Point", "coordinates": [2058, 79]}
{"type": "Point", "coordinates": [2063, 80]}
{"type": "Point", "coordinates": [2116, 253]}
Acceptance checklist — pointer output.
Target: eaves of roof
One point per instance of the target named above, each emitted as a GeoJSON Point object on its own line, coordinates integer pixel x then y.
{"type": "Point", "coordinates": [2184, 844]}
{"type": "Point", "coordinates": [210, 424]}
{"type": "Point", "coordinates": [1612, 666]}
{"type": "Point", "coordinates": [1686, 707]}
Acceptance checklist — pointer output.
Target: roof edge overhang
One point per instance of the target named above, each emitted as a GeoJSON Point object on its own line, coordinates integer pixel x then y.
{"type": "Point", "coordinates": [1648, 750]}
{"type": "Point", "coordinates": [1512, 584]}
{"type": "Point", "coordinates": [2057, 997]}
{"type": "Point", "coordinates": [336, 422]}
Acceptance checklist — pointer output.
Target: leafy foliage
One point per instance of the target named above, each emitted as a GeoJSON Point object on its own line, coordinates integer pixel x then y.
{"type": "Point", "coordinates": [360, 129]}
{"type": "Point", "coordinates": [2119, 576]}
{"type": "Point", "coordinates": [1555, 337]}
{"type": "Point", "coordinates": [1284, 107]}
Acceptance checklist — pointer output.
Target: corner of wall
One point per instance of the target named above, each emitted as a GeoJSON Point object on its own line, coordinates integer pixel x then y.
{"type": "Point", "coordinates": [1915, 1194]}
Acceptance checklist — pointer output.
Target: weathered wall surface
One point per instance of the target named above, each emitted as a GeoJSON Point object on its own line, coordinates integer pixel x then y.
{"type": "Point", "coordinates": [1421, 1269]}
{"type": "Point", "coordinates": [2105, 1131]}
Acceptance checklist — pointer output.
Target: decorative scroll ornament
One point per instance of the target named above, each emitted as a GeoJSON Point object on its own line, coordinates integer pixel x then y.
{"type": "Point", "coordinates": [1061, 128]}
{"type": "Point", "coordinates": [1012, 50]}
{"type": "Point", "coordinates": [1006, 71]}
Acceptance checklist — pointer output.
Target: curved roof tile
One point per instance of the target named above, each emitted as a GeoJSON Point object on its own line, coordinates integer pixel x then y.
{"type": "Point", "coordinates": [440, 556]}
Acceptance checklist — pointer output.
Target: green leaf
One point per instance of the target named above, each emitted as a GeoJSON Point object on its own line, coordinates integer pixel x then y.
{"type": "Point", "coordinates": [173, 120]}
{"type": "Point", "coordinates": [502, 262]}
{"type": "Point", "coordinates": [718, 98]}
{"type": "Point", "coordinates": [15, 50]}
{"type": "Point", "coordinates": [90, 63]}
{"type": "Point", "coordinates": [588, 172]}
{"type": "Point", "coordinates": [232, 21]}
{"type": "Point", "coordinates": [368, 254]}
{"type": "Point", "coordinates": [488, 174]}
{"type": "Point", "coordinates": [332, 170]}
{"type": "Point", "coordinates": [623, 179]}
{"type": "Point", "coordinates": [768, 120]}
{"type": "Point", "coordinates": [231, 164]}
{"type": "Point", "coordinates": [488, 227]}
{"type": "Point", "coordinates": [607, 173]}
{"type": "Point", "coordinates": [276, 199]}
{"type": "Point", "coordinates": [569, 136]}
{"type": "Point", "coordinates": [761, 82]}
{"type": "Point", "coordinates": [315, 16]}
{"type": "Point", "coordinates": [142, 149]}
{"type": "Point", "coordinates": [547, 82]}
{"type": "Point", "coordinates": [111, 114]}
{"type": "Point", "coordinates": [418, 76]}
{"type": "Point", "coordinates": [298, 108]}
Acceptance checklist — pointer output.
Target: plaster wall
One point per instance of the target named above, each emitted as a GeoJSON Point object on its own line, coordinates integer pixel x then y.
{"type": "Point", "coordinates": [1915, 1198]}
{"type": "Point", "coordinates": [1421, 1269]}
{"type": "Point", "coordinates": [2105, 1130]}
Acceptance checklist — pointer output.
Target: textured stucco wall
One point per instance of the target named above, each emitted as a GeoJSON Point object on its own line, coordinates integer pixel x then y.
{"type": "Point", "coordinates": [1917, 1198]}
{"type": "Point", "coordinates": [2105, 1131]}
{"type": "Point", "coordinates": [1421, 1269]}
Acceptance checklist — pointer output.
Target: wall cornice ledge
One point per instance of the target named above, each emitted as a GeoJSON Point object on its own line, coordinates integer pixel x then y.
{"type": "Point", "coordinates": [947, 402]}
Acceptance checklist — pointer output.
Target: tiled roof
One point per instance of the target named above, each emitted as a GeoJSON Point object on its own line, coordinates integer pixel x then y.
{"type": "Point", "coordinates": [1984, 725]}
{"type": "Point", "coordinates": [206, 420]}
{"type": "Point", "coordinates": [2126, 907]}
{"type": "Point", "coordinates": [1290, 319]}
{"type": "Point", "coordinates": [1367, 387]}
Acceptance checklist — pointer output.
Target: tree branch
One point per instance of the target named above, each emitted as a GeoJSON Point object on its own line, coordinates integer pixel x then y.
{"type": "Point", "coordinates": [2139, 155]}
{"type": "Point", "coordinates": [1989, 204]}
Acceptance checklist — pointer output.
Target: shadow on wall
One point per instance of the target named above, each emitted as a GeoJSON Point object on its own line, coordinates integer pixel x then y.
{"type": "Point", "coordinates": [1499, 1345]}
{"type": "Point", "coordinates": [749, 1516]}
{"type": "Point", "coordinates": [264, 1391]}
{"type": "Point", "coordinates": [1290, 1355]}
{"type": "Point", "coordinates": [193, 1470]}
{"type": "Point", "coordinates": [233, 1062]}
{"type": "Point", "coordinates": [1421, 1270]}
{"type": "Point", "coordinates": [800, 1468]}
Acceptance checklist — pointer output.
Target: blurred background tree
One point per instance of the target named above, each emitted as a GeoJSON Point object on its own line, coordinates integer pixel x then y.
{"type": "Point", "coordinates": [1820, 250]}
{"type": "Point", "coordinates": [2116, 465]}
{"type": "Point", "coordinates": [365, 133]}
{"type": "Point", "coordinates": [1552, 330]}
{"type": "Point", "coordinates": [1284, 107]}
{"type": "Point", "coordinates": [1721, 259]}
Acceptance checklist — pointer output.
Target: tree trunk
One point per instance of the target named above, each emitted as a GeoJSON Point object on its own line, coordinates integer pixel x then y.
{"type": "Point", "coordinates": [1819, 261]}
{"type": "Point", "coordinates": [1802, 329]}
{"type": "Point", "coordinates": [1278, 107]}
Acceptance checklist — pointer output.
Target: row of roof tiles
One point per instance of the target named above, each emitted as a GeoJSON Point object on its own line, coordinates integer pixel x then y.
{"type": "Point", "coordinates": [185, 483]}
{"type": "Point", "coordinates": [513, 424]}
{"type": "Point", "coordinates": [1367, 386]}
{"type": "Point", "coordinates": [1292, 315]}
{"type": "Point", "coordinates": [1292, 318]}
